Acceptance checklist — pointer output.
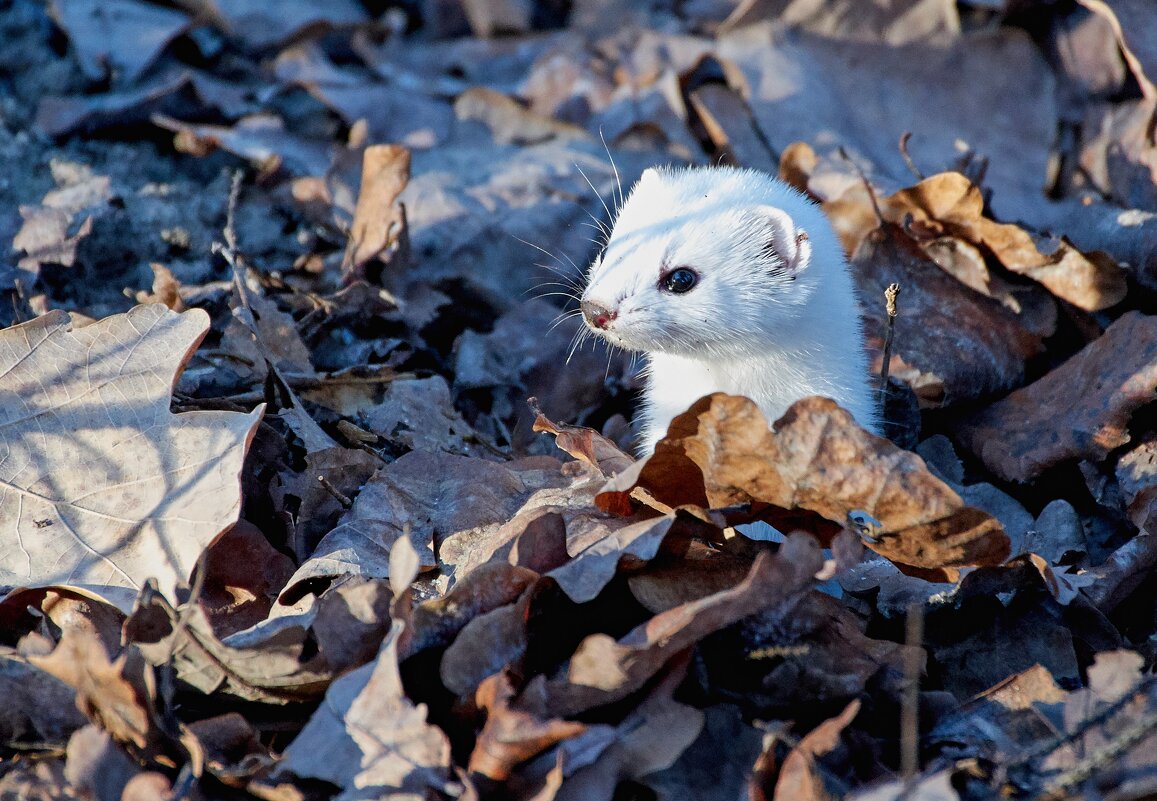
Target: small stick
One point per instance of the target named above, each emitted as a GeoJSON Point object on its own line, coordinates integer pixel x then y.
{"type": "Point", "coordinates": [867, 184]}
{"type": "Point", "coordinates": [890, 295]}
{"type": "Point", "coordinates": [904, 137]}
{"type": "Point", "coordinates": [910, 701]}
{"type": "Point", "coordinates": [231, 210]}
{"type": "Point", "coordinates": [328, 486]}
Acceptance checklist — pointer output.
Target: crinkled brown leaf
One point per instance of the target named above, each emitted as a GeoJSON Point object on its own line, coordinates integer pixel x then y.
{"type": "Point", "coordinates": [102, 485]}
{"type": "Point", "coordinates": [720, 453]}
{"type": "Point", "coordinates": [950, 344]}
{"type": "Point", "coordinates": [604, 670]}
{"type": "Point", "coordinates": [949, 204]}
{"type": "Point", "coordinates": [275, 662]}
{"type": "Point", "coordinates": [115, 693]}
{"type": "Point", "coordinates": [649, 739]}
{"type": "Point", "coordinates": [486, 645]}
{"type": "Point", "coordinates": [586, 444]}
{"type": "Point", "coordinates": [511, 735]}
{"type": "Point", "coordinates": [243, 575]}
{"type": "Point", "coordinates": [492, 586]}
{"type": "Point", "coordinates": [606, 542]}
{"type": "Point", "coordinates": [431, 495]}
{"type": "Point", "coordinates": [800, 777]}
{"type": "Point", "coordinates": [1080, 410]}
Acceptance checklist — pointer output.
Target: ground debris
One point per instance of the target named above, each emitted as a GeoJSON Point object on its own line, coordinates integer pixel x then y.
{"type": "Point", "coordinates": [314, 487]}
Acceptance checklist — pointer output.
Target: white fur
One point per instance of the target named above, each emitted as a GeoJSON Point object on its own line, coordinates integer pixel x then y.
{"type": "Point", "coordinates": [773, 317]}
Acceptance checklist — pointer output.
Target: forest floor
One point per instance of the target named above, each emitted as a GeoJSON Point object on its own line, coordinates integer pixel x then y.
{"type": "Point", "coordinates": [307, 493]}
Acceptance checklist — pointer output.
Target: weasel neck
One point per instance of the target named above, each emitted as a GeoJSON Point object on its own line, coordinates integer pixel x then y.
{"type": "Point", "coordinates": [774, 380]}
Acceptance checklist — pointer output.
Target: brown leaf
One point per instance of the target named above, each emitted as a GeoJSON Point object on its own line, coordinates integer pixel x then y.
{"type": "Point", "coordinates": [95, 766]}
{"type": "Point", "coordinates": [812, 651]}
{"type": "Point", "coordinates": [118, 36]}
{"type": "Point", "coordinates": [603, 671]}
{"type": "Point", "coordinates": [1080, 410]}
{"type": "Point", "coordinates": [949, 204]}
{"type": "Point", "coordinates": [275, 662]}
{"type": "Point", "coordinates": [368, 735]}
{"type": "Point", "coordinates": [105, 486]}
{"type": "Point", "coordinates": [700, 572]}
{"type": "Point", "coordinates": [492, 586]}
{"type": "Point", "coordinates": [379, 222]}
{"type": "Point", "coordinates": [951, 345]}
{"type": "Point", "coordinates": [605, 543]}
{"type": "Point", "coordinates": [585, 444]}
{"type": "Point", "coordinates": [243, 575]}
{"type": "Point", "coordinates": [419, 414]}
{"type": "Point", "coordinates": [1134, 27]}
{"type": "Point", "coordinates": [433, 496]}
{"type": "Point", "coordinates": [1137, 476]}
{"type": "Point", "coordinates": [117, 695]}
{"type": "Point", "coordinates": [649, 739]}
{"type": "Point", "coordinates": [720, 453]}
{"type": "Point", "coordinates": [800, 777]}
{"type": "Point", "coordinates": [511, 735]}
{"type": "Point", "coordinates": [486, 645]}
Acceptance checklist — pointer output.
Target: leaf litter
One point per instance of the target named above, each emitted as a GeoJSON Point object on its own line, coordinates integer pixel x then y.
{"type": "Point", "coordinates": [290, 528]}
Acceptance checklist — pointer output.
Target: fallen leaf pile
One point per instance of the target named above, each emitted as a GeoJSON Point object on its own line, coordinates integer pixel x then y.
{"type": "Point", "coordinates": [306, 491]}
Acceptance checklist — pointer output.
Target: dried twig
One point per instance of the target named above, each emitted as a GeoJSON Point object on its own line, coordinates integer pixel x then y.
{"type": "Point", "coordinates": [910, 701]}
{"type": "Point", "coordinates": [867, 184]}
{"type": "Point", "coordinates": [341, 498]}
{"type": "Point", "coordinates": [890, 296]}
{"type": "Point", "coordinates": [904, 139]}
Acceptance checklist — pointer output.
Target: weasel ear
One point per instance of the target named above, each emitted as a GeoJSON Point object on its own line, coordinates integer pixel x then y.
{"type": "Point", "coordinates": [784, 240]}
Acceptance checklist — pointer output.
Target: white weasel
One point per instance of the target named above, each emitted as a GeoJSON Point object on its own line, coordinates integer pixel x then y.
{"type": "Point", "coordinates": [729, 281]}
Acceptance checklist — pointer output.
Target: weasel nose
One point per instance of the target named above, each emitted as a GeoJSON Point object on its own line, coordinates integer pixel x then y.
{"type": "Point", "coordinates": [597, 316]}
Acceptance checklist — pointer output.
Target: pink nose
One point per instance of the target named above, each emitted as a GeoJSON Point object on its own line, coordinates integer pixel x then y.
{"type": "Point", "coordinates": [597, 316]}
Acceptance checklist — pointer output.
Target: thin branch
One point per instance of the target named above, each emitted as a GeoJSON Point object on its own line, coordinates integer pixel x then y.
{"type": "Point", "coordinates": [890, 296]}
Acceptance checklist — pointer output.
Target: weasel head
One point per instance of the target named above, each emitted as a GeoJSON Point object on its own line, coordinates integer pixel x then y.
{"type": "Point", "coordinates": [706, 262]}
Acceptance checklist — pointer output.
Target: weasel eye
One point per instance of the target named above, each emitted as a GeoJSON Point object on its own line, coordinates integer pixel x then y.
{"type": "Point", "coordinates": [679, 280]}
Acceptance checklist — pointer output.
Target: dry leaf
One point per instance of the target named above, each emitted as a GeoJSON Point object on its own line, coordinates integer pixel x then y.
{"type": "Point", "coordinates": [603, 670]}
{"type": "Point", "coordinates": [511, 736]}
{"type": "Point", "coordinates": [486, 646]}
{"type": "Point", "coordinates": [950, 205]}
{"type": "Point", "coordinates": [275, 662]}
{"type": "Point", "coordinates": [1080, 410]}
{"type": "Point", "coordinates": [117, 694]}
{"type": "Point", "coordinates": [369, 738]}
{"type": "Point", "coordinates": [720, 453]}
{"type": "Point", "coordinates": [378, 221]}
{"type": "Point", "coordinates": [649, 739]}
{"type": "Point", "coordinates": [120, 37]}
{"type": "Point", "coordinates": [606, 543]}
{"type": "Point", "coordinates": [103, 486]}
{"type": "Point", "coordinates": [951, 345]}
{"type": "Point", "coordinates": [800, 777]}
{"type": "Point", "coordinates": [585, 444]}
